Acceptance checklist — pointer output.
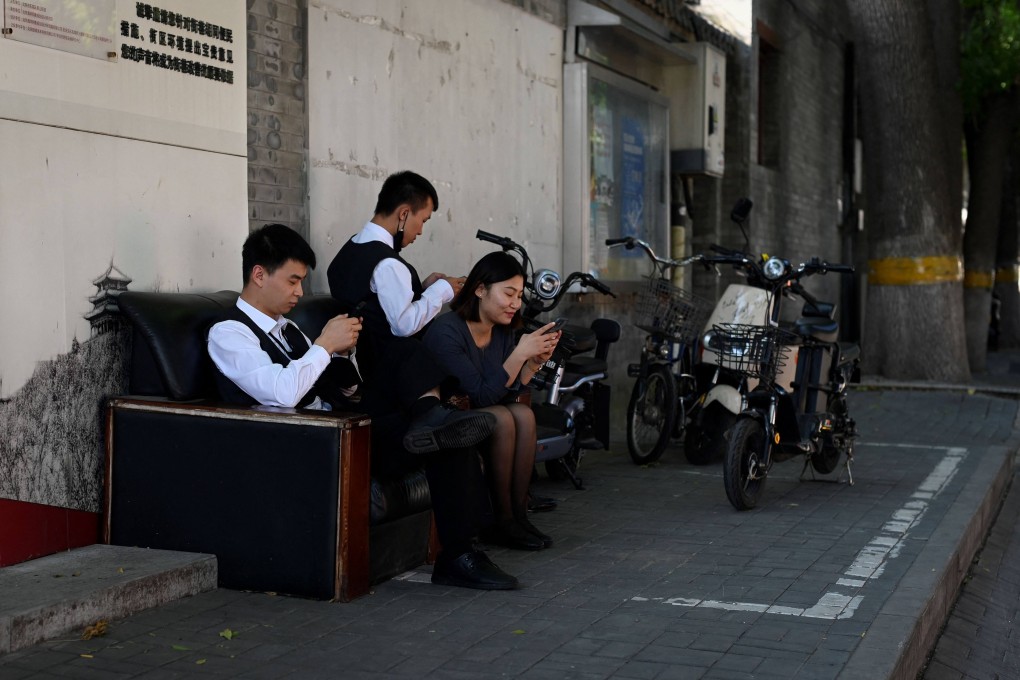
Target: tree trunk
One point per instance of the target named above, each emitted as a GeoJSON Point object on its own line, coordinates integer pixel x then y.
{"type": "Point", "coordinates": [944, 25]}
{"type": "Point", "coordinates": [988, 133]}
{"type": "Point", "coordinates": [914, 326]}
{"type": "Point", "coordinates": [1008, 250]}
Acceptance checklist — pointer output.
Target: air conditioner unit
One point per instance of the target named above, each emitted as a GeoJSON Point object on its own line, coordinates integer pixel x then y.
{"type": "Point", "coordinates": [697, 111]}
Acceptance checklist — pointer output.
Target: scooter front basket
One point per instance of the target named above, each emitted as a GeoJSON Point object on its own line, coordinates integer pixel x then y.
{"type": "Point", "coordinates": [665, 309]}
{"type": "Point", "coordinates": [756, 351]}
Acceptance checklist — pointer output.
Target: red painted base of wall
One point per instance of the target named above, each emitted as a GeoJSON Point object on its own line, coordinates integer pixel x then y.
{"type": "Point", "coordinates": [30, 530]}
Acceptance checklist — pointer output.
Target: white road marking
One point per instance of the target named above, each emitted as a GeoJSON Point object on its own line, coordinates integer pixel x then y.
{"type": "Point", "coordinates": [870, 561]}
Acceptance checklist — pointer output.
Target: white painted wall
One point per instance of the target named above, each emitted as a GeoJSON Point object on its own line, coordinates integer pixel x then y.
{"type": "Point", "coordinates": [465, 92]}
{"type": "Point", "coordinates": [114, 160]}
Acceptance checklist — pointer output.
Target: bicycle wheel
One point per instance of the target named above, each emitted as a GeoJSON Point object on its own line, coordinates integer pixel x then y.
{"type": "Point", "coordinates": [744, 465]}
{"type": "Point", "coordinates": [650, 415]}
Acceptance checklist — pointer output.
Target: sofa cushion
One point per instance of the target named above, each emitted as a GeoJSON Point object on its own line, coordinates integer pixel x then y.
{"type": "Point", "coordinates": [169, 356]}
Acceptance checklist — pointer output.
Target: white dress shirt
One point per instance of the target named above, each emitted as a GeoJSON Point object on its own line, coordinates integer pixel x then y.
{"type": "Point", "coordinates": [236, 351]}
{"type": "Point", "coordinates": [391, 281]}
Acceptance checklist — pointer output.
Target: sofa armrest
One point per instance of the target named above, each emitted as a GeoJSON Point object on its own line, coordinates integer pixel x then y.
{"type": "Point", "coordinates": [281, 497]}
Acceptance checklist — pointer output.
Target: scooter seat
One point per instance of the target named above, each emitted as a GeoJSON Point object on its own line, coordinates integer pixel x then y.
{"type": "Point", "coordinates": [581, 366]}
{"type": "Point", "coordinates": [819, 328]}
{"type": "Point", "coordinates": [582, 339]}
{"type": "Point", "coordinates": [819, 309]}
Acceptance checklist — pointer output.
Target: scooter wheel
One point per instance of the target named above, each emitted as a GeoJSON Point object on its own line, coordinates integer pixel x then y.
{"type": "Point", "coordinates": [650, 415]}
{"type": "Point", "coordinates": [744, 467]}
{"type": "Point", "coordinates": [705, 439]}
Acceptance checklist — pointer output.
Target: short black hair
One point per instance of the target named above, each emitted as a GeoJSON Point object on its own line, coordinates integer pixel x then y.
{"type": "Point", "coordinates": [271, 246]}
{"type": "Point", "coordinates": [492, 268]}
{"type": "Point", "coordinates": [405, 187]}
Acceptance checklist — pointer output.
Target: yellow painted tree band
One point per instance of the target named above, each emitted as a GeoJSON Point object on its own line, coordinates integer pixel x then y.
{"type": "Point", "coordinates": [1007, 274]}
{"type": "Point", "coordinates": [973, 279]}
{"type": "Point", "coordinates": [914, 271]}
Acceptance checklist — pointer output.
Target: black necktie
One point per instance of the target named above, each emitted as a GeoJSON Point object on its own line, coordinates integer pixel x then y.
{"type": "Point", "coordinates": [296, 340]}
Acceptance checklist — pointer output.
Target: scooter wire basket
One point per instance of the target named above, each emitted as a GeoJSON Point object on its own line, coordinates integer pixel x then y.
{"type": "Point", "coordinates": [756, 351]}
{"type": "Point", "coordinates": [665, 309]}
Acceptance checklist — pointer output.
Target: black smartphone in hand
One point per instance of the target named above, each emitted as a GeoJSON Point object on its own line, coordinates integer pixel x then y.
{"type": "Point", "coordinates": [560, 323]}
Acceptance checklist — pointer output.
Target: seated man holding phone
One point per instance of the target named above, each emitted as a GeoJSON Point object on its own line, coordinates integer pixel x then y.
{"type": "Point", "coordinates": [476, 343]}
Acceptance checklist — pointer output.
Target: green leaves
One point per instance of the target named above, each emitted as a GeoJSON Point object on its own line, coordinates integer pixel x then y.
{"type": "Point", "coordinates": [989, 49]}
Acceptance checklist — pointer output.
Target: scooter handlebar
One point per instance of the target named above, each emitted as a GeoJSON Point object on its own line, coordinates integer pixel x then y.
{"type": "Point", "coordinates": [597, 285]}
{"type": "Point", "coordinates": [501, 241]}
{"type": "Point", "coordinates": [821, 266]}
{"type": "Point", "coordinates": [628, 241]}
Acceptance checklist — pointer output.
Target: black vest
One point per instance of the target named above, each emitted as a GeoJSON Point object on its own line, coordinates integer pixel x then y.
{"type": "Point", "coordinates": [339, 374]}
{"type": "Point", "coordinates": [350, 278]}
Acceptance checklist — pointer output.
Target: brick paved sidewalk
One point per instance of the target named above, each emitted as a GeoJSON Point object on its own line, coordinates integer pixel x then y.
{"type": "Point", "coordinates": [653, 575]}
{"type": "Point", "coordinates": [981, 638]}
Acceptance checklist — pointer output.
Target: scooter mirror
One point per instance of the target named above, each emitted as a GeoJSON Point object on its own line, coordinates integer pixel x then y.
{"type": "Point", "coordinates": [741, 209]}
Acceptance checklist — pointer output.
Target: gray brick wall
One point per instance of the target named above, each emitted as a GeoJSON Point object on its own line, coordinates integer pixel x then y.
{"type": "Point", "coordinates": [797, 193]}
{"type": "Point", "coordinates": [277, 114]}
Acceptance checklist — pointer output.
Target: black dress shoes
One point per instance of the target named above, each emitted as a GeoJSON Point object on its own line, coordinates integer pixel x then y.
{"type": "Point", "coordinates": [511, 534]}
{"type": "Point", "coordinates": [471, 570]}
{"type": "Point", "coordinates": [533, 530]}
{"type": "Point", "coordinates": [442, 427]}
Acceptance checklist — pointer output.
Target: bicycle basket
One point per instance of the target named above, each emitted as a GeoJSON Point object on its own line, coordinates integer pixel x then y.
{"type": "Point", "coordinates": [665, 309]}
{"type": "Point", "coordinates": [756, 351]}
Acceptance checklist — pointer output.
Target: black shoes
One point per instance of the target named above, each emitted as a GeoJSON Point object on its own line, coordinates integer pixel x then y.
{"type": "Point", "coordinates": [541, 504]}
{"type": "Point", "coordinates": [511, 534]}
{"type": "Point", "coordinates": [471, 570]}
{"type": "Point", "coordinates": [444, 428]}
{"type": "Point", "coordinates": [533, 530]}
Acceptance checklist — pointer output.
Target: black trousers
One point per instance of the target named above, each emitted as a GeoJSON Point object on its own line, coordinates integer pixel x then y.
{"type": "Point", "coordinates": [401, 373]}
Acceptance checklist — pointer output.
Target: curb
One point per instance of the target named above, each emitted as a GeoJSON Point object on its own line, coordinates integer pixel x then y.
{"type": "Point", "coordinates": [49, 596]}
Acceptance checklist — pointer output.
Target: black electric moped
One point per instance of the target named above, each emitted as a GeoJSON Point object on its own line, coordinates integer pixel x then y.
{"type": "Point", "coordinates": [795, 378]}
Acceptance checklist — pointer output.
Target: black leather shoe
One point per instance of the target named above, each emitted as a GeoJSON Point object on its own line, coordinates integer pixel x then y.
{"type": "Point", "coordinates": [511, 534]}
{"type": "Point", "coordinates": [541, 504]}
{"type": "Point", "coordinates": [471, 570]}
{"type": "Point", "coordinates": [444, 428]}
{"type": "Point", "coordinates": [533, 530]}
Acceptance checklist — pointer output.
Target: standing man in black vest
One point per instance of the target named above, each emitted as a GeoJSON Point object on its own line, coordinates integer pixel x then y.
{"type": "Point", "coordinates": [369, 273]}
{"type": "Point", "coordinates": [264, 358]}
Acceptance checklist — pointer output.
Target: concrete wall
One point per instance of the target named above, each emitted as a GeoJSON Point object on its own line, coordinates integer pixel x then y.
{"type": "Point", "coordinates": [114, 172]}
{"type": "Point", "coordinates": [465, 92]}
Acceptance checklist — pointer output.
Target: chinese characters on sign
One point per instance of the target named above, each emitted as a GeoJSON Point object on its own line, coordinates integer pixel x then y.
{"type": "Point", "coordinates": [210, 44]}
{"type": "Point", "coordinates": [81, 28]}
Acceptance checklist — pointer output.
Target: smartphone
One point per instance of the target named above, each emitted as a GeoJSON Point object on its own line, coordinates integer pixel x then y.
{"type": "Point", "coordinates": [560, 322]}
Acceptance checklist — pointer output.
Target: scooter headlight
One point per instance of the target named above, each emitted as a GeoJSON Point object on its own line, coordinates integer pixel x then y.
{"type": "Point", "coordinates": [547, 283]}
{"type": "Point", "coordinates": [725, 345]}
{"type": "Point", "coordinates": [774, 268]}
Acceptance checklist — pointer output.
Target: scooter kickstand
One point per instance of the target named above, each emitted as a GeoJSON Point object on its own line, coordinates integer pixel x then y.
{"type": "Point", "coordinates": [807, 461]}
{"type": "Point", "coordinates": [574, 479]}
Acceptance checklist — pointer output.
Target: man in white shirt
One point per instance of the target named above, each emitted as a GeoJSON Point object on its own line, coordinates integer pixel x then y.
{"type": "Point", "coordinates": [262, 357]}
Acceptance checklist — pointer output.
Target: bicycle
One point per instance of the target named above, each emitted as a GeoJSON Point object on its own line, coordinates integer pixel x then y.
{"type": "Point", "coordinates": [665, 389]}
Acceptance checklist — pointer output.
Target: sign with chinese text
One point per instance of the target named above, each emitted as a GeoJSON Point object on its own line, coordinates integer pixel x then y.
{"type": "Point", "coordinates": [86, 28]}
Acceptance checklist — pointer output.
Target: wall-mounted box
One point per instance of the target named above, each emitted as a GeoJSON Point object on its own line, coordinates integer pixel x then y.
{"type": "Point", "coordinates": [697, 110]}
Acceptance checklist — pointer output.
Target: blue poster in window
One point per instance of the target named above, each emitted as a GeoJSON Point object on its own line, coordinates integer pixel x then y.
{"type": "Point", "coordinates": [632, 183]}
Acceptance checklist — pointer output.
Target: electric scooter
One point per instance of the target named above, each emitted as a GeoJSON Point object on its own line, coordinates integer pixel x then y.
{"type": "Point", "coordinates": [790, 392]}
{"type": "Point", "coordinates": [574, 413]}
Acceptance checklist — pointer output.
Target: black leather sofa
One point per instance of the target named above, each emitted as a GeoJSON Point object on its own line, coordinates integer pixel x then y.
{"type": "Point", "coordinates": [282, 497]}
